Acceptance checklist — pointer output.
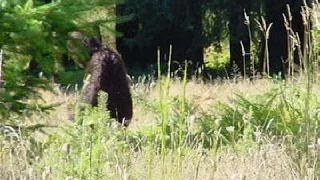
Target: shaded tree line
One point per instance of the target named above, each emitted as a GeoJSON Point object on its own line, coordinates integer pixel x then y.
{"type": "Point", "coordinates": [157, 24]}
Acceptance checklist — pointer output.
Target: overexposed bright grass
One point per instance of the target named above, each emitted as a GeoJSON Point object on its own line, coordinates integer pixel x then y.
{"type": "Point", "coordinates": [266, 159]}
{"type": "Point", "coordinates": [267, 162]}
{"type": "Point", "coordinates": [202, 94]}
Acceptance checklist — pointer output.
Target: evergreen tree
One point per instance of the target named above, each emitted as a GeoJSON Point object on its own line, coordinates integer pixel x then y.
{"type": "Point", "coordinates": [38, 30]}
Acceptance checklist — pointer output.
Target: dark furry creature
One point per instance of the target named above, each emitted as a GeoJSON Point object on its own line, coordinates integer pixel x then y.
{"type": "Point", "coordinates": [107, 72]}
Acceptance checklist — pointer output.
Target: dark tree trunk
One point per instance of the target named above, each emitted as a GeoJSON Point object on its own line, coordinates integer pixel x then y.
{"type": "Point", "coordinates": [277, 40]}
{"type": "Point", "coordinates": [188, 43]}
{"type": "Point", "coordinates": [239, 36]}
{"type": "Point", "coordinates": [181, 27]}
{"type": "Point", "coordinates": [128, 30]}
{"type": "Point", "coordinates": [132, 54]}
{"type": "Point", "coordinates": [279, 46]}
{"type": "Point", "coordinates": [197, 43]}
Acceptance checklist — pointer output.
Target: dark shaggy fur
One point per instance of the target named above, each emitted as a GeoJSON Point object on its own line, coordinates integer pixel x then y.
{"type": "Point", "coordinates": [108, 73]}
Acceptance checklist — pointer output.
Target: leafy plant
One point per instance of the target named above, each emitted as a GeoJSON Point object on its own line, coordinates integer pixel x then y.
{"type": "Point", "coordinates": [280, 111]}
{"type": "Point", "coordinates": [89, 145]}
{"type": "Point", "coordinates": [216, 57]}
{"type": "Point", "coordinates": [33, 38]}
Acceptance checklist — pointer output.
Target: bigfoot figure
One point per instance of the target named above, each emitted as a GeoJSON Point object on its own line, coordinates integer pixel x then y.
{"type": "Point", "coordinates": [107, 73]}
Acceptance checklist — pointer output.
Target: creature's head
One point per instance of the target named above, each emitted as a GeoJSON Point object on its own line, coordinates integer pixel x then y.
{"type": "Point", "coordinates": [92, 44]}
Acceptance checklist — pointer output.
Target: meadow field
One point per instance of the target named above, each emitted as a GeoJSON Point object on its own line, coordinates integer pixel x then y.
{"type": "Point", "coordinates": [260, 121]}
{"type": "Point", "coordinates": [223, 129]}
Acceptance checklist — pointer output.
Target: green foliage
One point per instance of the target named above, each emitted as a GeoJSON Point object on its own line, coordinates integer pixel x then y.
{"type": "Point", "coordinates": [279, 111]}
{"type": "Point", "coordinates": [71, 77]}
{"type": "Point", "coordinates": [176, 126]}
{"type": "Point", "coordinates": [214, 21]}
{"type": "Point", "coordinates": [19, 86]}
{"type": "Point", "coordinates": [160, 21]}
{"type": "Point", "coordinates": [88, 146]}
{"type": "Point", "coordinates": [34, 32]}
{"type": "Point", "coordinates": [216, 57]}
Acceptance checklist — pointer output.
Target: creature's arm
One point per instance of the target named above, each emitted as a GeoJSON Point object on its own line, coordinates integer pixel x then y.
{"type": "Point", "coordinates": [92, 82]}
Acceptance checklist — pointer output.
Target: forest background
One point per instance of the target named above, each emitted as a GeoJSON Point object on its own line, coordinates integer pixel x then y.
{"type": "Point", "coordinates": [168, 43]}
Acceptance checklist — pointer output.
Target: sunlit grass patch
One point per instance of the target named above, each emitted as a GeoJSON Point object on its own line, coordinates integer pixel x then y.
{"type": "Point", "coordinates": [218, 130]}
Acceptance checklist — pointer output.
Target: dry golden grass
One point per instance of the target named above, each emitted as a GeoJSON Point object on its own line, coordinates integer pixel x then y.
{"type": "Point", "coordinates": [269, 162]}
{"type": "Point", "coordinates": [266, 160]}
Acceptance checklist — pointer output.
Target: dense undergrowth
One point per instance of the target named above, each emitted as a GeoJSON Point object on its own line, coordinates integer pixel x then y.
{"type": "Point", "coordinates": [182, 129]}
{"type": "Point", "coordinates": [179, 132]}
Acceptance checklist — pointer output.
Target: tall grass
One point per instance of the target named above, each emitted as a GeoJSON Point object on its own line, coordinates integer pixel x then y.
{"type": "Point", "coordinates": [262, 123]}
{"type": "Point", "coordinates": [182, 129]}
